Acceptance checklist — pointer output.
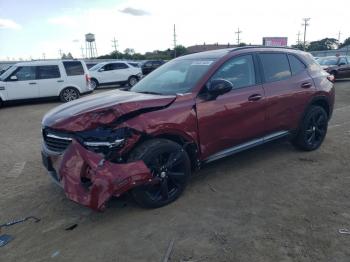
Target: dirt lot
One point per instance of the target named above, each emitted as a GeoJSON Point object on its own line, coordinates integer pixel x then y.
{"type": "Point", "coordinates": [272, 203]}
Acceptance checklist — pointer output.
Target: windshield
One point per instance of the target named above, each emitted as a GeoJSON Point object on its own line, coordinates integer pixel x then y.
{"type": "Point", "coordinates": [328, 61]}
{"type": "Point", "coordinates": [96, 67]}
{"type": "Point", "coordinates": [174, 77]}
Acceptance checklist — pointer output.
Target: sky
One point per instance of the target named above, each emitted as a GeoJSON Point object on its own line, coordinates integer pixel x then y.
{"type": "Point", "coordinates": [31, 29]}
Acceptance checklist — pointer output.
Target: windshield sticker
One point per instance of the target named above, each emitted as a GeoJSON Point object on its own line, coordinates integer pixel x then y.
{"type": "Point", "coordinates": [204, 63]}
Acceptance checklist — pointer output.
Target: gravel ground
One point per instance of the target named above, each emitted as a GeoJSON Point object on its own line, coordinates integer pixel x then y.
{"type": "Point", "coordinates": [272, 203]}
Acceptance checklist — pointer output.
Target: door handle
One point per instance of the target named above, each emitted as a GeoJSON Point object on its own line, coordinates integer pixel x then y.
{"type": "Point", "coordinates": [32, 83]}
{"type": "Point", "coordinates": [60, 81]}
{"type": "Point", "coordinates": [254, 97]}
{"type": "Point", "coordinates": [306, 85]}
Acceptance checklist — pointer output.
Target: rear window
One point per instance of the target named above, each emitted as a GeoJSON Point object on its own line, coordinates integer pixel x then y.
{"type": "Point", "coordinates": [49, 71]}
{"type": "Point", "coordinates": [295, 64]}
{"type": "Point", "coordinates": [276, 67]}
{"type": "Point", "coordinates": [73, 68]}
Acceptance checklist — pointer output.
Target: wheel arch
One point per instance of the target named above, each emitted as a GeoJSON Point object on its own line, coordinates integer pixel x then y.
{"type": "Point", "coordinates": [323, 102]}
{"type": "Point", "coordinates": [70, 86]}
{"type": "Point", "coordinates": [187, 143]}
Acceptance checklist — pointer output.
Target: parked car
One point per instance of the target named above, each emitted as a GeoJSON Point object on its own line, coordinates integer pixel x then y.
{"type": "Point", "coordinates": [116, 72]}
{"type": "Point", "coordinates": [193, 110]}
{"type": "Point", "coordinates": [3, 70]}
{"type": "Point", "coordinates": [338, 66]}
{"type": "Point", "coordinates": [150, 65]}
{"type": "Point", "coordinates": [40, 79]}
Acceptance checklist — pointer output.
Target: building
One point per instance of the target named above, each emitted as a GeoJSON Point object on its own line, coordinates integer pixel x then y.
{"type": "Point", "coordinates": [207, 47]}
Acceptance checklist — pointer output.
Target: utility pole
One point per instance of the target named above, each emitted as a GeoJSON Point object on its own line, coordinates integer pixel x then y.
{"type": "Point", "coordinates": [238, 33]}
{"type": "Point", "coordinates": [60, 53]}
{"type": "Point", "coordinates": [174, 41]}
{"type": "Point", "coordinates": [339, 34]}
{"type": "Point", "coordinates": [305, 24]}
{"type": "Point", "coordinates": [43, 56]}
{"type": "Point", "coordinates": [298, 39]}
{"type": "Point", "coordinates": [115, 44]}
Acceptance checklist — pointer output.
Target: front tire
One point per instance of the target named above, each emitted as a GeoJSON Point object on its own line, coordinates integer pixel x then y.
{"type": "Point", "coordinates": [170, 167]}
{"type": "Point", "coordinates": [69, 94]}
{"type": "Point", "coordinates": [313, 129]}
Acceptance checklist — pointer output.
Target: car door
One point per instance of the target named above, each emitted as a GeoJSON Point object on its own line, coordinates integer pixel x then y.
{"type": "Point", "coordinates": [22, 83]}
{"type": "Point", "coordinates": [121, 71]}
{"type": "Point", "coordinates": [344, 68]}
{"type": "Point", "coordinates": [288, 89]}
{"type": "Point", "coordinates": [49, 80]}
{"type": "Point", "coordinates": [235, 117]}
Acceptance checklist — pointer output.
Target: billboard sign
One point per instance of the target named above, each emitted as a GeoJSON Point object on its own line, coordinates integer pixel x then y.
{"type": "Point", "coordinates": [275, 41]}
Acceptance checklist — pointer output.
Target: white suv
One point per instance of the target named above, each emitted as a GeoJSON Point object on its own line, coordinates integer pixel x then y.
{"type": "Point", "coordinates": [116, 72]}
{"type": "Point", "coordinates": [65, 79]}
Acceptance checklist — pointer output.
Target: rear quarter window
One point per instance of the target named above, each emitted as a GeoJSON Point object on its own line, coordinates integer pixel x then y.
{"type": "Point", "coordinates": [296, 65]}
{"type": "Point", "coordinates": [73, 68]}
{"type": "Point", "coordinates": [275, 67]}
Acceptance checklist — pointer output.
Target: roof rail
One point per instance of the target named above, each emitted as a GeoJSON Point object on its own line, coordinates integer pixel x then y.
{"type": "Point", "coordinates": [262, 46]}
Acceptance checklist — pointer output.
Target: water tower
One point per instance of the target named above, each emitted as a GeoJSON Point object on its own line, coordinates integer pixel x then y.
{"type": "Point", "coordinates": [90, 46]}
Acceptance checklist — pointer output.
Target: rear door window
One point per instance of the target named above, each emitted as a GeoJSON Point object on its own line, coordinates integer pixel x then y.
{"type": "Point", "coordinates": [295, 64]}
{"type": "Point", "coordinates": [25, 73]}
{"type": "Point", "coordinates": [48, 72]}
{"type": "Point", "coordinates": [73, 68]}
{"type": "Point", "coordinates": [275, 67]}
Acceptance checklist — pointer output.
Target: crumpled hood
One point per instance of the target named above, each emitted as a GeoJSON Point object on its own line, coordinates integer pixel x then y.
{"type": "Point", "coordinates": [101, 109]}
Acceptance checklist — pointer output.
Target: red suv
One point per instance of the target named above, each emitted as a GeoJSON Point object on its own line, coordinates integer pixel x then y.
{"type": "Point", "coordinates": [192, 110]}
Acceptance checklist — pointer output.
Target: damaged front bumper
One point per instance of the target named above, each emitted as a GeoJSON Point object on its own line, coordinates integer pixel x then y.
{"type": "Point", "coordinates": [88, 179]}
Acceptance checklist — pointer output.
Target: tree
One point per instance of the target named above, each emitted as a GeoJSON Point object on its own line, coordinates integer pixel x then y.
{"type": "Point", "coordinates": [129, 51]}
{"type": "Point", "coordinates": [180, 50]}
{"type": "Point", "coordinates": [64, 56]}
{"type": "Point", "coordinates": [345, 43]}
{"type": "Point", "coordinates": [242, 44]}
{"type": "Point", "coordinates": [298, 46]}
{"type": "Point", "coordinates": [69, 56]}
{"type": "Point", "coordinates": [323, 44]}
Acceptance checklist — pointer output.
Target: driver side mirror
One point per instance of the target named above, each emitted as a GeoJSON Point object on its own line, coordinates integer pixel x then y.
{"type": "Point", "coordinates": [218, 87]}
{"type": "Point", "coordinates": [13, 78]}
{"type": "Point", "coordinates": [101, 70]}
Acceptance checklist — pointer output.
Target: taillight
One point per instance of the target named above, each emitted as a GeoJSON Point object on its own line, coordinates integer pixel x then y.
{"type": "Point", "coordinates": [87, 78]}
{"type": "Point", "coordinates": [331, 78]}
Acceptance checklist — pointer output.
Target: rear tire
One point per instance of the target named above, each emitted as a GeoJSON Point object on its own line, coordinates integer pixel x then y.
{"type": "Point", "coordinates": [132, 81]}
{"type": "Point", "coordinates": [170, 167]}
{"type": "Point", "coordinates": [94, 84]}
{"type": "Point", "coordinates": [69, 94]}
{"type": "Point", "coordinates": [313, 129]}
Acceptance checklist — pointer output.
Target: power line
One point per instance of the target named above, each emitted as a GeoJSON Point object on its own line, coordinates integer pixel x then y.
{"type": "Point", "coordinates": [238, 32]}
{"type": "Point", "coordinates": [305, 24]}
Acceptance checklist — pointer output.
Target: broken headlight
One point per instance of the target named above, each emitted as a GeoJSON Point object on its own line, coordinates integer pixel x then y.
{"type": "Point", "coordinates": [104, 140]}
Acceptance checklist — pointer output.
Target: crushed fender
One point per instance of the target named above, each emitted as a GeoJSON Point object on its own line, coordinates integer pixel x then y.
{"type": "Point", "coordinates": [90, 180]}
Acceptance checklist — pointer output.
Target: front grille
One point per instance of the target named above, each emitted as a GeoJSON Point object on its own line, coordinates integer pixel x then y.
{"type": "Point", "coordinates": [55, 141]}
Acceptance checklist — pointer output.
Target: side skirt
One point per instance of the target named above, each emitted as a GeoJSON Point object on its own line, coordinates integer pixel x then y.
{"type": "Point", "coordinates": [246, 145]}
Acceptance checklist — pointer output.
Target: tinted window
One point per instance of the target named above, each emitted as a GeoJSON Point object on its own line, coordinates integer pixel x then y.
{"type": "Point", "coordinates": [148, 64]}
{"type": "Point", "coordinates": [342, 60]}
{"type": "Point", "coordinates": [348, 59]}
{"type": "Point", "coordinates": [47, 72]}
{"type": "Point", "coordinates": [295, 64]}
{"type": "Point", "coordinates": [73, 68]}
{"type": "Point", "coordinates": [108, 67]}
{"type": "Point", "coordinates": [275, 66]}
{"type": "Point", "coordinates": [25, 73]}
{"type": "Point", "coordinates": [239, 71]}
{"type": "Point", "coordinates": [117, 66]}
{"type": "Point", "coordinates": [156, 63]}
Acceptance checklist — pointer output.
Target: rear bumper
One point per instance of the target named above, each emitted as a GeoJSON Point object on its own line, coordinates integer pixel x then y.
{"type": "Point", "coordinates": [90, 180]}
